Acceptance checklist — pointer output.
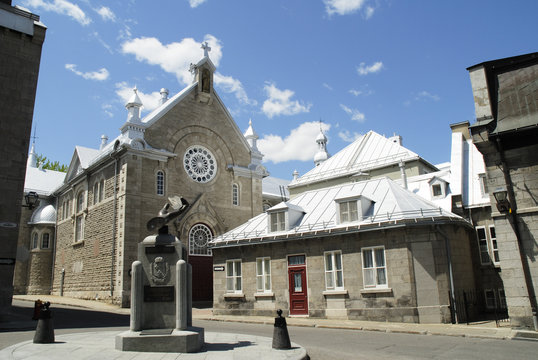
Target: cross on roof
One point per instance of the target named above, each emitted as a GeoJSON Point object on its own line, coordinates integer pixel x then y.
{"type": "Point", "coordinates": [34, 137]}
{"type": "Point", "coordinates": [206, 48]}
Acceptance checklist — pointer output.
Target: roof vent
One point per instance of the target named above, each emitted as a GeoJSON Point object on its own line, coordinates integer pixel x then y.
{"type": "Point", "coordinates": [164, 95]}
{"type": "Point", "coordinates": [104, 141]}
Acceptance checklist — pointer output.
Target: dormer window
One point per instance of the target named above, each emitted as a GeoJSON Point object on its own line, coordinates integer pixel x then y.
{"type": "Point", "coordinates": [437, 188]}
{"type": "Point", "coordinates": [278, 221]}
{"type": "Point", "coordinates": [350, 209]}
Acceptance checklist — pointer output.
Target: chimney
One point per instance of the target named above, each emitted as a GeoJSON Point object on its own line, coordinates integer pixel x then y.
{"type": "Point", "coordinates": [164, 96]}
{"type": "Point", "coordinates": [402, 172]}
{"type": "Point", "coordinates": [104, 141]}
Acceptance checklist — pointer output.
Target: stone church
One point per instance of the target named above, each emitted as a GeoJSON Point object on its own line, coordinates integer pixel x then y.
{"type": "Point", "coordinates": [188, 146]}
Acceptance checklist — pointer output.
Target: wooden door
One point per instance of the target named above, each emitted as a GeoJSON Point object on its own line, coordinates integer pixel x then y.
{"type": "Point", "coordinates": [298, 291]}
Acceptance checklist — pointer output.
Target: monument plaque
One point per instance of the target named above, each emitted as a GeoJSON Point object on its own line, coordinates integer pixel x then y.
{"type": "Point", "coordinates": [158, 293]}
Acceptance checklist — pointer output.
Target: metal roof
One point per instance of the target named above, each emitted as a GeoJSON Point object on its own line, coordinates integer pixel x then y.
{"type": "Point", "coordinates": [367, 152]}
{"type": "Point", "coordinates": [391, 205]}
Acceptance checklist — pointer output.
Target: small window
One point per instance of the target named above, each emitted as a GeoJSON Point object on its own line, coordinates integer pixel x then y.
{"type": "Point", "coordinates": [263, 275]}
{"type": "Point", "coordinates": [437, 190]}
{"type": "Point", "coordinates": [483, 245]}
{"type": "Point", "coordinates": [494, 248]}
{"type": "Point", "coordinates": [101, 190]}
{"type": "Point", "coordinates": [348, 211]}
{"type": "Point", "coordinates": [233, 277]}
{"type": "Point", "coordinates": [96, 193]}
{"type": "Point", "coordinates": [295, 260]}
{"type": "Point", "coordinates": [35, 239]}
{"type": "Point", "coordinates": [483, 184]}
{"type": "Point", "coordinates": [235, 194]}
{"type": "Point", "coordinates": [160, 182]}
{"type": "Point", "coordinates": [490, 299]}
{"type": "Point", "coordinates": [334, 277]}
{"type": "Point", "coordinates": [374, 269]}
{"type": "Point", "coordinates": [278, 221]}
{"type": "Point", "coordinates": [199, 237]}
{"type": "Point", "coordinates": [45, 241]}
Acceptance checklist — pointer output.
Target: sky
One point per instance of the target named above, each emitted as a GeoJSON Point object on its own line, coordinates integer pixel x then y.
{"type": "Point", "coordinates": [391, 66]}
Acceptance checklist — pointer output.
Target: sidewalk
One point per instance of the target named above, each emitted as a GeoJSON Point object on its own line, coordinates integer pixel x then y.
{"type": "Point", "coordinates": [475, 330]}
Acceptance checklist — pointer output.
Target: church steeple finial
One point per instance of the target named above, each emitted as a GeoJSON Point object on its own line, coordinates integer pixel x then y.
{"type": "Point", "coordinates": [32, 157]}
{"type": "Point", "coordinates": [133, 107]}
{"type": "Point", "coordinates": [322, 153]}
{"type": "Point", "coordinates": [206, 48]}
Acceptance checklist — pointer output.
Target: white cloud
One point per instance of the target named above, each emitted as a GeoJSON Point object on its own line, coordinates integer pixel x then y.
{"type": "Point", "coordinates": [106, 14]}
{"type": "Point", "coordinates": [369, 12]}
{"type": "Point", "coordinates": [327, 86]}
{"type": "Point", "coordinates": [355, 114]}
{"type": "Point", "coordinates": [102, 42]}
{"type": "Point", "coordinates": [347, 136]}
{"type": "Point", "coordinates": [62, 7]}
{"type": "Point", "coordinates": [230, 85]}
{"type": "Point", "coordinates": [279, 102]}
{"type": "Point", "coordinates": [426, 95]}
{"type": "Point", "coordinates": [99, 75]}
{"type": "Point", "coordinates": [107, 108]}
{"type": "Point", "coordinates": [300, 144]}
{"type": "Point", "coordinates": [342, 7]}
{"type": "Point", "coordinates": [150, 101]}
{"type": "Point", "coordinates": [362, 69]}
{"type": "Point", "coordinates": [195, 3]}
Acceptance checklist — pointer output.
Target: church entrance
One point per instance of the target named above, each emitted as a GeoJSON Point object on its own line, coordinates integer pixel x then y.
{"type": "Point", "coordinates": [201, 260]}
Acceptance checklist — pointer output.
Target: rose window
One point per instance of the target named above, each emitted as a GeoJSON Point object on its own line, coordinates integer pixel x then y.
{"type": "Point", "coordinates": [200, 164]}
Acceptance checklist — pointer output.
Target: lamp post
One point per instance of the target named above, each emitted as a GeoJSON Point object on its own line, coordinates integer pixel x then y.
{"type": "Point", "coordinates": [501, 197]}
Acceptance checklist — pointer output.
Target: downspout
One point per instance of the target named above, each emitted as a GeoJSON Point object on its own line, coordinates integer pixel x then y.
{"type": "Point", "coordinates": [114, 215]}
{"type": "Point", "coordinates": [514, 222]}
{"type": "Point", "coordinates": [450, 273]}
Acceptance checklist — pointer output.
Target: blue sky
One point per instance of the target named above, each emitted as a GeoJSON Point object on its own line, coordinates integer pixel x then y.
{"type": "Point", "coordinates": [358, 65]}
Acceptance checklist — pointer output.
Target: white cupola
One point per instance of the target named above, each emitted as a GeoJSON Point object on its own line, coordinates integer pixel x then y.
{"type": "Point", "coordinates": [32, 158]}
{"type": "Point", "coordinates": [252, 138]}
{"type": "Point", "coordinates": [322, 153]}
{"type": "Point", "coordinates": [133, 107]}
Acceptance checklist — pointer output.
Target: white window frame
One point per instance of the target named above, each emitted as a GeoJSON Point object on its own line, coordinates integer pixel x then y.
{"type": "Point", "coordinates": [375, 268]}
{"type": "Point", "coordinates": [263, 275]}
{"type": "Point", "coordinates": [333, 282]}
{"type": "Point", "coordinates": [80, 201]}
{"type": "Point", "coordinates": [234, 279]}
{"type": "Point", "coordinates": [34, 240]}
{"type": "Point", "coordinates": [481, 243]}
{"type": "Point", "coordinates": [483, 184]}
{"type": "Point", "coordinates": [235, 194]}
{"type": "Point", "coordinates": [277, 221]}
{"type": "Point", "coordinates": [345, 214]}
{"type": "Point", "coordinates": [194, 249]}
{"type": "Point", "coordinates": [102, 188]}
{"type": "Point", "coordinates": [96, 193]}
{"type": "Point", "coordinates": [160, 182]}
{"type": "Point", "coordinates": [494, 246]}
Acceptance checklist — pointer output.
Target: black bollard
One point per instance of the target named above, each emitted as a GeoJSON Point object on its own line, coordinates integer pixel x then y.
{"type": "Point", "coordinates": [281, 338]}
{"type": "Point", "coordinates": [44, 333]}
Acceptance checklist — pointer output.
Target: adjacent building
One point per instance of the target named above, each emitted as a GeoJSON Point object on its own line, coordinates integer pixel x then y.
{"type": "Point", "coordinates": [21, 39]}
{"type": "Point", "coordinates": [505, 92]}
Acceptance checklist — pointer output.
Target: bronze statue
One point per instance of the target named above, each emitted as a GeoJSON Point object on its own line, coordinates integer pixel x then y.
{"type": "Point", "coordinates": [179, 205]}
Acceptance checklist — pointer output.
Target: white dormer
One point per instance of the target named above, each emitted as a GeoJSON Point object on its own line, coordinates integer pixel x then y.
{"type": "Point", "coordinates": [283, 217]}
{"type": "Point", "coordinates": [438, 188]}
{"type": "Point", "coordinates": [351, 208]}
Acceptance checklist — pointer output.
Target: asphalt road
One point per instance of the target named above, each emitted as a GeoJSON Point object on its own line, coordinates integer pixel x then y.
{"type": "Point", "coordinates": [320, 343]}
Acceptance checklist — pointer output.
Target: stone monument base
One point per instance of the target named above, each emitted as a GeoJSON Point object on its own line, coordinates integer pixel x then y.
{"type": "Point", "coordinates": [161, 340]}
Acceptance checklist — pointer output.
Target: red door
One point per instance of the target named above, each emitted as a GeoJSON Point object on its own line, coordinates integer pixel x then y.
{"type": "Point", "coordinates": [298, 293]}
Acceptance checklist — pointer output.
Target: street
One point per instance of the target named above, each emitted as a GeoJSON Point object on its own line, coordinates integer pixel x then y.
{"type": "Point", "coordinates": [320, 343]}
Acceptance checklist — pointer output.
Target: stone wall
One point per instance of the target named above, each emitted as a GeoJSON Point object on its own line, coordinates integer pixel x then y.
{"type": "Point", "coordinates": [417, 275]}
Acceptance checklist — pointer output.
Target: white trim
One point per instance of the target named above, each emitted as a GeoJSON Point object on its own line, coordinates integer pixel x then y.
{"type": "Point", "coordinates": [374, 267]}
{"type": "Point", "coordinates": [333, 272]}
{"type": "Point", "coordinates": [157, 187]}
{"type": "Point", "coordinates": [234, 277]}
{"type": "Point", "coordinates": [480, 250]}
{"type": "Point", "coordinates": [263, 276]}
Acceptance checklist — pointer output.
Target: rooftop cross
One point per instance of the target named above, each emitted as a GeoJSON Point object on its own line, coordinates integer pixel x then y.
{"type": "Point", "coordinates": [34, 137]}
{"type": "Point", "coordinates": [206, 48]}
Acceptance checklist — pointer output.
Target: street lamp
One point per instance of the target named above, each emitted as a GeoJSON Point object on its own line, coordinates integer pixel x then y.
{"type": "Point", "coordinates": [503, 204]}
{"type": "Point", "coordinates": [31, 199]}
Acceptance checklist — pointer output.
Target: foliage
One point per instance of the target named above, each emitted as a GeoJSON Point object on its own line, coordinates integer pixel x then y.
{"type": "Point", "coordinates": [50, 165]}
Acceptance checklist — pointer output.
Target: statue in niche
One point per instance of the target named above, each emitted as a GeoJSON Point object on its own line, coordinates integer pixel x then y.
{"type": "Point", "coordinates": [205, 80]}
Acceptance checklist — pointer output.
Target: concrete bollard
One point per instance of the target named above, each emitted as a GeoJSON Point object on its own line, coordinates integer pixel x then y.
{"type": "Point", "coordinates": [281, 338]}
{"type": "Point", "coordinates": [44, 333]}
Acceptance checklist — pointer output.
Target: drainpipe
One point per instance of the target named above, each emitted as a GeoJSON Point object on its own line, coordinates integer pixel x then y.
{"type": "Point", "coordinates": [116, 162]}
{"type": "Point", "coordinates": [55, 238]}
{"type": "Point", "coordinates": [450, 273]}
{"type": "Point", "coordinates": [402, 172]}
{"type": "Point", "coordinates": [513, 219]}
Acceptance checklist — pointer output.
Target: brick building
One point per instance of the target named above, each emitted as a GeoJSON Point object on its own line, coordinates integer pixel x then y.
{"type": "Point", "coordinates": [21, 40]}
{"type": "Point", "coordinates": [506, 133]}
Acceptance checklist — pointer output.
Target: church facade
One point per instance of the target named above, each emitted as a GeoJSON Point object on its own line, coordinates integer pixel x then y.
{"type": "Point", "coordinates": [188, 146]}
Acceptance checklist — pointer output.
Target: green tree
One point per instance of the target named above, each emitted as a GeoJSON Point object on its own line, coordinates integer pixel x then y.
{"type": "Point", "coordinates": [50, 165]}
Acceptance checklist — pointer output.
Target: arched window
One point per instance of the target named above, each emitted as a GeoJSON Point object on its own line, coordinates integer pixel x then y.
{"type": "Point", "coordinates": [199, 237]}
{"type": "Point", "coordinates": [45, 240]}
{"type": "Point", "coordinates": [101, 190]}
{"type": "Point", "coordinates": [160, 182]}
{"type": "Point", "coordinates": [35, 239]}
{"type": "Point", "coordinates": [235, 194]}
{"type": "Point", "coordinates": [96, 193]}
{"type": "Point", "coordinates": [79, 217]}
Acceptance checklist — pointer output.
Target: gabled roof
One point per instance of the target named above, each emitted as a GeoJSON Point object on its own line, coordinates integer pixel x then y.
{"type": "Point", "coordinates": [370, 151]}
{"type": "Point", "coordinates": [43, 182]}
{"type": "Point", "coordinates": [391, 205]}
{"type": "Point", "coordinates": [273, 187]}
{"type": "Point", "coordinates": [82, 158]}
